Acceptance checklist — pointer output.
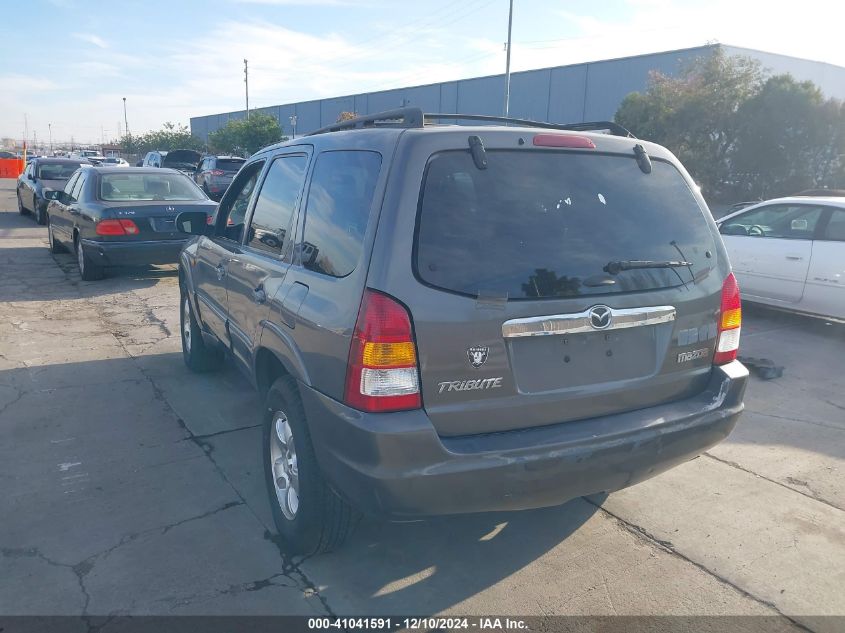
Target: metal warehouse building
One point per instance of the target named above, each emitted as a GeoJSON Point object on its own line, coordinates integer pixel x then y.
{"type": "Point", "coordinates": [590, 91]}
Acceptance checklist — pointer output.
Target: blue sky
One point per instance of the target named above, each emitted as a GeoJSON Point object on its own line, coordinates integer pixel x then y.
{"type": "Point", "coordinates": [70, 62]}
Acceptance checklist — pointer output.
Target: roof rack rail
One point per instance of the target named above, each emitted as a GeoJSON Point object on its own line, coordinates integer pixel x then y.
{"type": "Point", "coordinates": [415, 118]}
{"type": "Point", "coordinates": [614, 128]}
{"type": "Point", "coordinates": [401, 117]}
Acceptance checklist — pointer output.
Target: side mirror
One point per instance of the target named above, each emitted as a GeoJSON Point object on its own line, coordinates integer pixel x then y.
{"type": "Point", "coordinates": [31, 177]}
{"type": "Point", "coordinates": [54, 194]}
{"type": "Point", "coordinates": [192, 222]}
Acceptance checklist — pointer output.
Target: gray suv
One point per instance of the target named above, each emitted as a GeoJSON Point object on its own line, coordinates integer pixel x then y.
{"type": "Point", "coordinates": [447, 319]}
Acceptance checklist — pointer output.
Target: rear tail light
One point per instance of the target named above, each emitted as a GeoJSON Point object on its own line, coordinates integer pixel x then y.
{"type": "Point", "coordinates": [382, 374]}
{"type": "Point", "coordinates": [117, 227]}
{"type": "Point", "coordinates": [730, 322]}
{"type": "Point", "coordinates": [217, 172]}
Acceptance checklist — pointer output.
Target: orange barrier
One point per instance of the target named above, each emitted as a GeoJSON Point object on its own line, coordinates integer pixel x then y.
{"type": "Point", "coordinates": [11, 167]}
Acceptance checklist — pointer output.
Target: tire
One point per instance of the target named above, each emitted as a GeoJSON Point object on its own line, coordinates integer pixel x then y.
{"type": "Point", "coordinates": [87, 269]}
{"type": "Point", "coordinates": [21, 209]}
{"type": "Point", "coordinates": [197, 355]}
{"type": "Point", "coordinates": [319, 521]}
{"type": "Point", "coordinates": [40, 215]}
{"type": "Point", "coordinates": [53, 244]}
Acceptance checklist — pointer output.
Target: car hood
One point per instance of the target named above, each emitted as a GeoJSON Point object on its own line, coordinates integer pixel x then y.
{"type": "Point", "coordinates": [181, 157]}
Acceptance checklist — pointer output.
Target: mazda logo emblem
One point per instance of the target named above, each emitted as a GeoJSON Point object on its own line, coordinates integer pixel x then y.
{"type": "Point", "coordinates": [601, 317]}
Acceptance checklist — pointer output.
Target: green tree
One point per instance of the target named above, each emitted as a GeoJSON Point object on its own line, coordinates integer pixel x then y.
{"type": "Point", "coordinates": [246, 135]}
{"type": "Point", "coordinates": [695, 113]}
{"type": "Point", "coordinates": [171, 136]}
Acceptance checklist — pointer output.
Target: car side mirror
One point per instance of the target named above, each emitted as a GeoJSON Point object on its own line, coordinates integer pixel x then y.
{"type": "Point", "coordinates": [192, 222]}
{"type": "Point", "coordinates": [31, 177]}
{"type": "Point", "coordinates": [54, 194]}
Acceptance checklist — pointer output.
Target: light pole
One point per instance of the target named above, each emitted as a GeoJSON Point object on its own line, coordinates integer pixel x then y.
{"type": "Point", "coordinates": [508, 62]}
{"type": "Point", "coordinates": [293, 124]}
{"type": "Point", "coordinates": [246, 85]}
{"type": "Point", "coordinates": [125, 120]}
{"type": "Point", "coordinates": [50, 131]}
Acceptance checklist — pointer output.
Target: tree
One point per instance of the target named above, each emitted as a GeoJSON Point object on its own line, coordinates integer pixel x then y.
{"type": "Point", "coordinates": [346, 116]}
{"type": "Point", "coordinates": [246, 135]}
{"type": "Point", "coordinates": [171, 136]}
{"type": "Point", "coordinates": [694, 114]}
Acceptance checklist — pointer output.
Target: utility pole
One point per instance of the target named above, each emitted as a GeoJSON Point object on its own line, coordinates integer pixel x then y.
{"type": "Point", "coordinates": [50, 131]}
{"type": "Point", "coordinates": [246, 84]}
{"type": "Point", "coordinates": [125, 120]}
{"type": "Point", "coordinates": [293, 124]}
{"type": "Point", "coordinates": [508, 62]}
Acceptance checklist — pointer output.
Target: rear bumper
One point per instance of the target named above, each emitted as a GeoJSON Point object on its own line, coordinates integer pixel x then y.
{"type": "Point", "coordinates": [134, 253]}
{"type": "Point", "coordinates": [395, 464]}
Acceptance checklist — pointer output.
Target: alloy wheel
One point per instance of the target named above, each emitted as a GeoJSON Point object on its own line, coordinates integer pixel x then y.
{"type": "Point", "coordinates": [186, 324]}
{"type": "Point", "coordinates": [284, 464]}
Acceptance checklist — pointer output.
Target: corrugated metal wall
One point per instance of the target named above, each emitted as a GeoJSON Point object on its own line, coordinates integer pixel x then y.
{"type": "Point", "coordinates": [563, 94]}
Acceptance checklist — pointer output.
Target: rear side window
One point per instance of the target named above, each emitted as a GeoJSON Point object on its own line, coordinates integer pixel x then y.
{"type": "Point", "coordinates": [276, 203]}
{"type": "Point", "coordinates": [546, 224]}
{"type": "Point", "coordinates": [338, 209]}
{"type": "Point", "coordinates": [835, 229]}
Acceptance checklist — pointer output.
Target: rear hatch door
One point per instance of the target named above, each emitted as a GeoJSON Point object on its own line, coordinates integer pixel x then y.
{"type": "Point", "coordinates": [521, 317]}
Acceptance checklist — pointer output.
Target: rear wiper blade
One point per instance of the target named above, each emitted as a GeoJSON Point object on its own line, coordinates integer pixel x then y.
{"type": "Point", "coordinates": [614, 268]}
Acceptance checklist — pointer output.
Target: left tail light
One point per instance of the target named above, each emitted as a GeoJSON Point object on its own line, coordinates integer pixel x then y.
{"type": "Point", "coordinates": [382, 373]}
{"type": "Point", "coordinates": [116, 227]}
{"type": "Point", "coordinates": [730, 322]}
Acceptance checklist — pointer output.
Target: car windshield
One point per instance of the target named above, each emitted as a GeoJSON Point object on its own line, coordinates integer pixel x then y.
{"type": "Point", "coordinates": [115, 187]}
{"type": "Point", "coordinates": [547, 224]}
{"type": "Point", "coordinates": [56, 171]}
{"type": "Point", "coordinates": [230, 164]}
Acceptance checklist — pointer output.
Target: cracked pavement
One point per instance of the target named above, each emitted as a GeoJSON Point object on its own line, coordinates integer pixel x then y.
{"type": "Point", "coordinates": [134, 487]}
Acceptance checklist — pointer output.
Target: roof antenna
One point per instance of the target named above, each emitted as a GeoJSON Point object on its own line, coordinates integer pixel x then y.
{"type": "Point", "coordinates": [479, 154]}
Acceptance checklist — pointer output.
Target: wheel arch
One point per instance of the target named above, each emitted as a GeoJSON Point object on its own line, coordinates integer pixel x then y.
{"type": "Point", "coordinates": [277, 355]}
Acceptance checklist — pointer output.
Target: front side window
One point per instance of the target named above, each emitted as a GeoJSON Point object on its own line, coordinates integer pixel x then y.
{"type": "Point", "coordinates": [71, 184]}
{"type": "Point", "coordinates": [80, 183]}
{"type": "Point", "coordinates": [134, 186]}
{"type": "Point", "coordinates": [543, 224]}
{"type": "Point", "coordinates": [231, 214]}
{"type": "Point", "coordinates": [785, 221]}
{"type": "Point", "coordinates": [276, 203]}
{"type": "Point", "coordinates": [338, 209]}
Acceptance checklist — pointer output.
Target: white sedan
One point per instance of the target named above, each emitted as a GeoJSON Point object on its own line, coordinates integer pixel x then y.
{"type": "Point", "coordinates": [790, 253]}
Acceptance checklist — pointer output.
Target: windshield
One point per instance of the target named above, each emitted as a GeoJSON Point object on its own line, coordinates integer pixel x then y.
{"type": "Point", "coordinates": [115, 187]}
{"type": "Point", "coordinates": [546, 224]}
{"type": "Point", "coordinates": [56, 171]}
{"type": "Point", "coordinates": [230, 164]}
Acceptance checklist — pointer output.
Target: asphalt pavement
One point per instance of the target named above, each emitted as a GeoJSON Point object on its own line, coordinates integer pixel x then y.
{"type": "Point", "coordinates": [131, 486]}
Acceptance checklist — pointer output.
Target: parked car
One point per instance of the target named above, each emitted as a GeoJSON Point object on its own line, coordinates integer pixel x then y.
{"type": "Point", "coordinates": [40, 175]}
{"type": "Point", "coordinates": [214, 174]}
{"type": "Point", "coordinates": [449, 319]}
{"type": "Point", "coordinates": [185, 160]}
{"type": "Point", "coordinates": [790, 253]}
{"type": "Point", "coordinates": [5, 154]}
{"type": "Point", "coordinates": [114, 161]}
{"type": "Point", "coordinates": [113, 216]}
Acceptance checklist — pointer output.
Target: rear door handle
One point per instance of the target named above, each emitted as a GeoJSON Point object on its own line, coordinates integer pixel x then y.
{"type": "Point", "coordinates": [259, 295]}
{"type": "Point", "coordinates": [794, 258]}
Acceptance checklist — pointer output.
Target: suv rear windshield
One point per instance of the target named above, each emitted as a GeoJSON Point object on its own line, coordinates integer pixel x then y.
{"type": "Point", "coordinates": [545, 224]}
{"type": "Point", "coordinates": [230, 164]}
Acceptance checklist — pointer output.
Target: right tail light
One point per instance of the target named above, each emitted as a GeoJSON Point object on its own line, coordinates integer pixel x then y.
{"type": "Point", "coordinates": [730, 322]}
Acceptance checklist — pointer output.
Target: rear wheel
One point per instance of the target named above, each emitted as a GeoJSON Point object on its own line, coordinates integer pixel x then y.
{"type": "Point", "coordinates": [309, 516]}
{"type": "Point", "coordinates": [87, 269]}
{"type": "Point", "coordinates": [54, 245]}
{"type": "Point", "coordinates": [196, 354]}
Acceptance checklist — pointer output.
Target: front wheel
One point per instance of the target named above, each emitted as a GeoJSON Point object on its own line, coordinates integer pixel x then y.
{"type": "Point", "coordinates": [87, 269]}
{"type": "Point", "coordinates": [309, 516]}
{"type": "Point", "coordinates": [21, 208]}
{"type": "Point", "coordinates": [54, 244]}
{"type": "Point", "coordinates": [196, 354]}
